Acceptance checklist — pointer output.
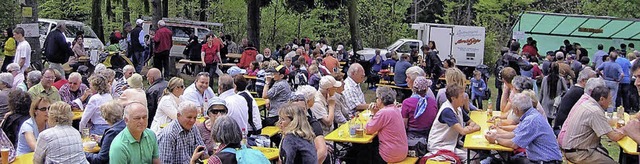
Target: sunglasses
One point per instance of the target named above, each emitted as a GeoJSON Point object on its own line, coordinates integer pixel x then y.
{"type": "Point", "coordinates": [42, 109]}
{"type": "Point", "coordinates": [182, 86]}
{"type": "Point", "coordinates": [217, 111]}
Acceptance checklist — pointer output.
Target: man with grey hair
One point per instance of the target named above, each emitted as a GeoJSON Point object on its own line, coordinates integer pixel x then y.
{"type": "Point", "coordinates": [155, 91]}
{"type": "Point", "coordinates": [121, 84]}
{"type": "Point", "coordinates": [581, 132]}
{"type": "Point", "coordinates": [352, 91]}
{"type": "Point", "coordinates": [56, 48]}
{"type": "Point", "coordinates": [45, 88]}
{"type": "Point", "coordinates": [533, 133]}
{"type": "Point", "coordinates": [33, 78]}
{"type": "Point", "coordinates": [163, 42]}
{"type": "Point", "coordinates": [136, 143]}
{"type": "Point", "coordinates": [571, 97]}
{"type": "Point", "coordinates": [6, 80]}
{"type": "Point", "coordinates": [23, 50]}
{"type": "Point", "coordinates": [137, 45]}
{"type": "Point", "coordinates": [18, 76]}
{"type": "Point", "coordinates": [237, 105]}
{"type": "Point", "coordinates": [180, 138]}
{"type": "Point", "coordinates": [75, 93]}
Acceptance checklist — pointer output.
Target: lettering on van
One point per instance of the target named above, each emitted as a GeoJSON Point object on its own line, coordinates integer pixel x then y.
{"type": "Point", "coordinates": [469, 41]}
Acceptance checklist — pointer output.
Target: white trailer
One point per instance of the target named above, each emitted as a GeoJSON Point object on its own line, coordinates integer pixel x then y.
{"type": "Point", "coordinates": [464, 43]}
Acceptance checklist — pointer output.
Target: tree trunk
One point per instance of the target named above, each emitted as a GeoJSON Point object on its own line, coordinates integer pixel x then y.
{"type": "Point", "coordinates": [157, 12]}
{"type": "Point", "coordinates": [96, 19]}
{"type": "Point", "coordinates": [145, 4]}
{"type": "Point", "coordinates": [275, 21]}
{"type": "Point", "coordinates": [34, 41]}
{"type": "Point", "coordinates": [203, 10]}
{"type": "Point", "coordinates": [110, 15]}
{"type": "Point", "coordinates": [125, 12]}
{"type": "Point", "coordinates": [356, 41]}
{"type": "Point", "coordinates": [299, 25]}
{"type": "Point", "coordinates": [165, 8]}
{"type": "Point", "coordinates": [253, 22]}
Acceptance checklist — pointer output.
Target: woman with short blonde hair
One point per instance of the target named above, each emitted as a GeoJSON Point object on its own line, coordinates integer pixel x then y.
{"type": "Point", "coordinates": [91, 117]}
{"type": "Point", "coordinates": [61, 143]}
{"type": "Point", "coordinates": [112, 112]}
{"type": "Point", "coordinates": [452, 75]}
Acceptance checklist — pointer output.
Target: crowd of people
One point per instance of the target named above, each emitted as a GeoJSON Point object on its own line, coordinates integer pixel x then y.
{"type": "Point", "coordinates": [550, 109]}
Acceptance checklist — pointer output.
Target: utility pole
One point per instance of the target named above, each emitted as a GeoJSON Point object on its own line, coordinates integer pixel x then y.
{"type": "Point", "coordinates": [31, 6]}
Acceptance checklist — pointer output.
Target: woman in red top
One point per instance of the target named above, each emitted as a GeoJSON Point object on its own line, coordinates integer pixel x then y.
{"type": "Point", "coordinates": [248, 56]}
{"type": "Point", "coordinates": [210, 54]}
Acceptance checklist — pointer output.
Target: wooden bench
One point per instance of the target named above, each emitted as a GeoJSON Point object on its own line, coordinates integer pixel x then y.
{"type": "Point", "coordinates": [234, 56]}
{"type": "Point", "coordinates": [382, 81]}
{"type": "Point", "coordinates": [408, 160]}
{"type": "Point", "coordinates": [437, 162]}
{"type": "Point", "coordinates": [270, 130]}
{"type": "Point", "coordinates": [196, 64]}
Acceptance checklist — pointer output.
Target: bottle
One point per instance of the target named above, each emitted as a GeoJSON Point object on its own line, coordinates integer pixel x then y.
{"type": "Point", "coordinates": [620, 112]}
{"type": "Point", "coordinates": [244, 136]}
{"type": "Point", "coordinates": [490, 109]}
{"type": "Point", "coordinates": [352, 127]}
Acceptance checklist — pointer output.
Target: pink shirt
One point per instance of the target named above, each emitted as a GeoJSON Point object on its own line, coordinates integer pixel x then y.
{"type": "Point", "coordinates": [391, 133]}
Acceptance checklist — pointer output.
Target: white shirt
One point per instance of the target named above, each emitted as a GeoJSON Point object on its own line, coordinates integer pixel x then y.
{"type": "Point", "coordinates": [23, 51]}
{"type": "Point", "coordinates": [17, 80]}
{"type": "Point", "coordinates": [238, 110]}
{"type": "Point", "coordinates": [92, 111]}
{"type": "Point", "coordinates": [202, 100]}
{"type": "Point", "coordinates": [257, 121]}
{"type": "Point", "coordinates": [167, 112]}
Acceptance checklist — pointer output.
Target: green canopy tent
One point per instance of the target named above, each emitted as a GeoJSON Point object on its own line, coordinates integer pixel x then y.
{"type": "Point", "coordinates": [551, 29]}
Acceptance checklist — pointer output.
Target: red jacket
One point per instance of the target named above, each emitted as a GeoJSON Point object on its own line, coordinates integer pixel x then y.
{"type": "Point", "coordinates": [248, 56]}
{"type": "Point", "coordinates": [163, 40]}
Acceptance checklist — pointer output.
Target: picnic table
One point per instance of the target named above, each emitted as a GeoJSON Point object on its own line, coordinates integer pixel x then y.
{"type": "Point", "coordinates": [336, 137]}
{"type": "Point", "coordinates": [270, 131]}
{"type": "Point", "coordinates": [476, 140]}
{"type": "Point", "coordinates": [77, 115]}
{"type": "Point", "coordinates": [233, 55]}
{"type": "Point", "coordinates": [627, 145]}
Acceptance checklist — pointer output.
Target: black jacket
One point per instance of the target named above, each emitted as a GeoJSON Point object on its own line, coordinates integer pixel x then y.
{"type": "Point", "coordinates": [135, 41]}
{"type": "Point", "coordinates": [56, 48]}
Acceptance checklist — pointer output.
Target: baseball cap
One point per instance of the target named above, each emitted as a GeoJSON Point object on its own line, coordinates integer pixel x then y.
{"type": "Point", "coordinates": [340, 47]}
{"type": "Point", "coordinates": [139, 21]}
{"type": "Point", "coordinates": [279, 69]}
{"type": "Point", "coordinates": [551, 53]}
{"type": "Point", "coordinates": [236, 70]}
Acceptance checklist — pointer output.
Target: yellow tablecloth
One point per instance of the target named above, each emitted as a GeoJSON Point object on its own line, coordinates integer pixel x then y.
{"type": "Point", "coordinates": [24, 159]}
{"type": "Point", "coordinates": [476, 140]}
{"type": "Point", "coordinates": [627, 144]}
{"type": "Point", "coordinates": [270, 130]}
{"type": "Point", "coordinates": [260, 102]}
{"type": "Point", "coordinates": [77, 115]}
{"type": "Point", "coordinates": [333, 136]}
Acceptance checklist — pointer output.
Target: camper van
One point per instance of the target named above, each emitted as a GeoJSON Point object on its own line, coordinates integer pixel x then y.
{"type": "Point", "coordinates": [91, 40]}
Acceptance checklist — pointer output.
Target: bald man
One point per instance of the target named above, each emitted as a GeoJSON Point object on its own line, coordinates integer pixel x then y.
{"type": "Point", "coordinates": [157, 84]}
{"type": "Point", "coordinates": [136, 143]}
{"type": "Point", "coordinates": [352, 91]}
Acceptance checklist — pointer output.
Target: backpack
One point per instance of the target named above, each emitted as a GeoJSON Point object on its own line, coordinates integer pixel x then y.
{"type": "Point", "coordinates": [300, 78]}
{"type": "Point", "coordinates": [246, 155]}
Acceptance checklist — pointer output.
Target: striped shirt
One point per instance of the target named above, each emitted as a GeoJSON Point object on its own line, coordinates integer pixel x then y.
{"type": "Point", "coordinates": [535, 134]}
{"type": "Point", "coordinates": [585, 125]}
{"type": "Point", "coordinates": [352, 94]}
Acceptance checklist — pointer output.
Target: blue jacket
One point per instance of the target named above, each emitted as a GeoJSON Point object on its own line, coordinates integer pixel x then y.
{"type": "Point", "coordinates": [109, 135]}
{"type": "Point", "coordinates": [57, 50]}
{"type": "Point", "coordinates": [476, 85]}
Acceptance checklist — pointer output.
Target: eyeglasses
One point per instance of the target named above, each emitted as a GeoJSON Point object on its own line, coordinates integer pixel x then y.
{"type": "Point", "coordinates": [182, 86]}
{"type": "Point", "coordinates": [43, 109]}
{"type": "Point", "coordinates": [49, 77]}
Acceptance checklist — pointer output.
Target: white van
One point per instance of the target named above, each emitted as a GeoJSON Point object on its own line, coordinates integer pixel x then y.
{"type": "Point", "coordinates": [91, 40]}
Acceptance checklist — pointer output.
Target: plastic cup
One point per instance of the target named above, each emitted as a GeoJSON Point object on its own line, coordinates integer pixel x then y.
{"type": "Point", "coordinates": [4, 153]}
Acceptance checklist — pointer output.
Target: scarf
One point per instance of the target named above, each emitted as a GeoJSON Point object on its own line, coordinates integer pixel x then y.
{"type": "Point", "coordinates": [422, 105]}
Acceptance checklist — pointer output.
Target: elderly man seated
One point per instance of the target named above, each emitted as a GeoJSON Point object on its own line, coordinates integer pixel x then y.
{"type": "Point", "coordinates": [74, 92]}
{"type": "Point", "coordinates": [45, 87]}
{"type": "Point", "coordinates": [580, 135]}
{"type": "Point", "coordinates": [180, 138]}
{"type": "Point", "coordinates": [121, 84]}
{"type": "Point", "coordinates": [533, 133]}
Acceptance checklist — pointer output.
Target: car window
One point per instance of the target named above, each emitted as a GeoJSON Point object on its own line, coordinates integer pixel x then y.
{"type": "Point", "coordinates": [182, 32]}
{"type": "Point", "coordinates": [407, 47]}
{"type": "Point", "coordinates": [202, 33]}
{"type": "Point", "coordinates": [43, 28]}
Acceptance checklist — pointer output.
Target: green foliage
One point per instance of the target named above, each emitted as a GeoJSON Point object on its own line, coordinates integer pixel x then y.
{"type": "Point", "coordinates": [9, 14]}
{"type": "Point", "coordinates": [615, 8]}
{"type": "Point", "coordinates": [66, 10]}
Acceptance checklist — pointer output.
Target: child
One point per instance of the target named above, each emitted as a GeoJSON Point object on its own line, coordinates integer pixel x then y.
{"type": "Point", "coordinates": [253, 68]}
{"type": "Point", "coordinates": [477, 89]}
{"type": "Point", "coordinates": [260, 77]}
{"type": "Point", "coordinates": [297, 136]}
{"type": "Point", "coordinates": [314, 76]}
